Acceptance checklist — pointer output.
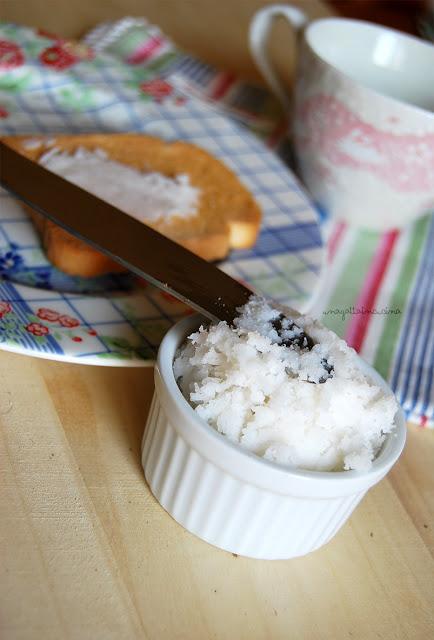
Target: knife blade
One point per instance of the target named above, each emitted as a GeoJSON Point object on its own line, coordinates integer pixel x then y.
{"type": "Point", "coordinates": [132, 243]}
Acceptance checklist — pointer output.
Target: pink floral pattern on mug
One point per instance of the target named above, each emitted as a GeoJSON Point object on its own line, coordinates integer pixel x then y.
{"type": "Point", "coordinates": [404, 161]}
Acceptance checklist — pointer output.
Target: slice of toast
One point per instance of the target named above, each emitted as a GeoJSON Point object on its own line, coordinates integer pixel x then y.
{"type": "Point", "coordinates": [227, 215]}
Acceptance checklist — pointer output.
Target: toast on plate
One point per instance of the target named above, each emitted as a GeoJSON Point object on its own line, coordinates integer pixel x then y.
{"type": "Point", "coordinates": [225, 217]}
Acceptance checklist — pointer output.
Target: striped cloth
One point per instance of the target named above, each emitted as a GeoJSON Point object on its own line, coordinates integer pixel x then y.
{"type": "Point", "coordinates": [378, 288]}
{"type": "Point", "coordinates": [379, 296]}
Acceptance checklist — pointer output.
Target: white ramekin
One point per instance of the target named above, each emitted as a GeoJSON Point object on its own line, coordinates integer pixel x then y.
{"type": "Point", "coordinates": [232, 498]}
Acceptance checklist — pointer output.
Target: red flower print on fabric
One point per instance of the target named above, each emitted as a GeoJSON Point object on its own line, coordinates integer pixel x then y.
{"type": "Point", "coordinates": [158, 89]}
{"type": "Point", "coordinates": [37, 329]}
{"type": "Point", "coordinates": [57, 57]}
{"type": "Point", "coordinates": [5, 308]}
{"type": "Point", "coordinates": [47, 34]}
{"type": "Point", "coordinates": [77, 339]}
{"type": "Point", "coordinates": [68, 321]}
{"type": "Point", "coordinates": [11, 55]}
{"type": "Point", "coordinates": [4, 113]}
{"type": "Point", "coordinates": [48, 314]}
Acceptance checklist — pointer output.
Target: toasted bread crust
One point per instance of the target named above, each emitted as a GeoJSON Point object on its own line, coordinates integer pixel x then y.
{"type": "Point", "coordinates": [228, 217]}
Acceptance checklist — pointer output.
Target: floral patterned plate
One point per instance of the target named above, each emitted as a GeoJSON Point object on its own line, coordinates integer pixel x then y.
{"type": "Point", "coordinates": [118, 330]}
{"type": "Point", "coordinates": [111, 321]}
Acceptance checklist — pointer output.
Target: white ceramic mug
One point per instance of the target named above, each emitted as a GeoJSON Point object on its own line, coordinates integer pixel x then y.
{"type": "Point", "coordinates": [363, 116]}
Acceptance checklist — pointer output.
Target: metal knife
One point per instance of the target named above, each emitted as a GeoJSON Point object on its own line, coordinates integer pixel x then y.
{"type": "Point", "coordinates": [133, 244]}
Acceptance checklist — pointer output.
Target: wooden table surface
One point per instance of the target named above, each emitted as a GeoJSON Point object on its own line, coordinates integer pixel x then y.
{"type": "Point", "coordinates": [88, 553]}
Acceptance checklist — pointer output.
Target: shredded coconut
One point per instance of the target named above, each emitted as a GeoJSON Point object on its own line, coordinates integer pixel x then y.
{"type": "Point", "coordinates": [260, 394]}
{"type": "Point", "coordinates": [32, 143]}
{"type": "Point", "coordinates": [36, 143]}
{"type": "Point", "coordinates": [147, 196]}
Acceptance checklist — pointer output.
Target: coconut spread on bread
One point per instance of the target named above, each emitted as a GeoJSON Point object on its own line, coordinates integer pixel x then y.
{"type": "Point", "coordinates": [177, 188]}
{"type": "Point", "coordinates": [148, 196]}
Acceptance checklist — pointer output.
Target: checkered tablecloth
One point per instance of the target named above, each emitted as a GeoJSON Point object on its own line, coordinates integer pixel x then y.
{"type": "Point", "coordinates": [378, 291]}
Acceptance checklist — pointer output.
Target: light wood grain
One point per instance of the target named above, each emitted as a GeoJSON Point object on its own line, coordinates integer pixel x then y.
{"type": "Point", "coordinates": [87, 552]}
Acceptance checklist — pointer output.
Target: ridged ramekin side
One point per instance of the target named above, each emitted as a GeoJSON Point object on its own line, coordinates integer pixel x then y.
{"type": "Point", "coordinates": [225, 511]}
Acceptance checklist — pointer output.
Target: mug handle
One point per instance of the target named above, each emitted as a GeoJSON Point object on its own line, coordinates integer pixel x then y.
{"type": "Point", "coordinates": [259, 32]}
